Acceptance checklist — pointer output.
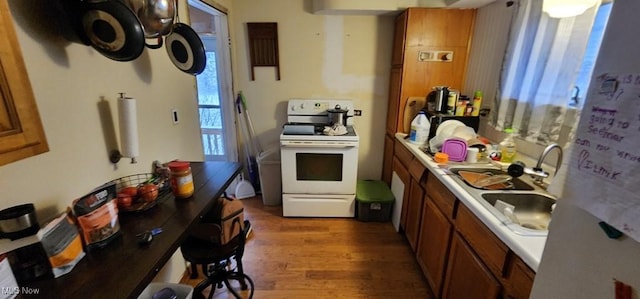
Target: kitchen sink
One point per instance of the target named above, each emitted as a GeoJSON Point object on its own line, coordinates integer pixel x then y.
{"type": "Point", "coordinates": [517, 184]}
{"type": "Point", "coordinates": [530, 210]}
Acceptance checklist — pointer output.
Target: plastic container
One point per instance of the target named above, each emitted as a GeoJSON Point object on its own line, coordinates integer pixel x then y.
{"type": "Point", "coordinates": [182, 291]}
{"type": "Point", "coordinates": [270, 176]}
{"type": "Point", "coordinates": [374, 199]}
{"type": "Point", "coordinates": [181, 179]}
{"type": "Point", "coordinates": [508, 147]}
{"type": "Point", "coordinates": [456, 148]}
{"type": "Point", "coordinates": [419, 129]}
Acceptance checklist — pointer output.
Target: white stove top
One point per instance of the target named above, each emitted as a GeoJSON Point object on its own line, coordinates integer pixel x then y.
{"type": "Point", "coordinates": [351, 136]}
{"type": "Point", "coordinates": [313, 112]}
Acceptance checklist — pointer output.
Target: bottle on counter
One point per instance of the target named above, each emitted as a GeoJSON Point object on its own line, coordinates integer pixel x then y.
{"type": "Point", "coordinates": [419, 129]}
{"type": "Point", "coordinates": [461, 106]}
{"type": "Point", "coordinates": [508, 147]}
{"type": "Point", "coordinates": [181, 179]}
{"type": "Point", "coordinates": [477, 103]}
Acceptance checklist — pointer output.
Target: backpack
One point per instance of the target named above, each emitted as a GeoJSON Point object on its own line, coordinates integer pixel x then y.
{"type": "Point", "coordinates": [224, 222]}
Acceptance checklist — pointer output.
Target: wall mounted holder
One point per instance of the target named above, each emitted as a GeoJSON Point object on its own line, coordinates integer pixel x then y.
{"type": "Point", "coordinates": [263, 46]}
{"type": "Point", "coordinates": [115, 157]}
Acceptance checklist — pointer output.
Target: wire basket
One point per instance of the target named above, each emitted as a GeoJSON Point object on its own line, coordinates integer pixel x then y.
{"type": "Point", "coordinates": [141, 198]}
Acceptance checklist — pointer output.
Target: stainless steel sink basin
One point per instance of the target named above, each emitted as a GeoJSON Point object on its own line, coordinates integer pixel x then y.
{"type": "Point", "coordinates": [518, 184]}
{"type": "Point", "coordinates": [531, 210]}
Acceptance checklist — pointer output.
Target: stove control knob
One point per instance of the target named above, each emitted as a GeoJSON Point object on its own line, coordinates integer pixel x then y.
{"type": "Point", "coordinates": [301, 106]}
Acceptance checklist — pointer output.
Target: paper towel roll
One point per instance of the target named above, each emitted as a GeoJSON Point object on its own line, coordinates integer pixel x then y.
{"type": "Point", "coordinates": [128, 123]}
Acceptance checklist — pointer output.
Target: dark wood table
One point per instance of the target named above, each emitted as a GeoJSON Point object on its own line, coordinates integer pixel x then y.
{"type": "Point", "coordinates": [123, 268]}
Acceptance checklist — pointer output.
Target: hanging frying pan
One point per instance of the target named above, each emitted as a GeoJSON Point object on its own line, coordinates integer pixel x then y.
{"type": "Point", "coordinates": [185, 49]}
{"type": "Point", "coordinates": [113, 29]}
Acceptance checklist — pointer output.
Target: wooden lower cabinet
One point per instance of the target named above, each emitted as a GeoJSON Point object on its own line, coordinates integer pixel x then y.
{"type": "Point", "coordinates": [433, 246]}
{"type": "Point", "coordinates": [414, 213]}
{"type": "Point", "coordinates": [459, 256]}
{"type": "Point", "coordinates": [467, 277]}
{"type": "Point", "coordinates": [520, 280]}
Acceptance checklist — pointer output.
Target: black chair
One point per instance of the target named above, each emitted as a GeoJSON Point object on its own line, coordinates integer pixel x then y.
{"type": "Point", "coordinates": [203, 248]}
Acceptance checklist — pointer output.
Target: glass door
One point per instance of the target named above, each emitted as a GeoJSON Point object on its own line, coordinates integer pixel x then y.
{"type": "Point", "coordinates": [213, 143]}
{"type": "Point", "coordinates": [214, 84]}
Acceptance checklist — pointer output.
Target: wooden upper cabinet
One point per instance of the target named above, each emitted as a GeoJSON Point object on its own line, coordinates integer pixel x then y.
{"type": "Point", "coordinates": [398, 38]}
{"type": "Point", "coordinates": [420, 30]}
{"type": "Point", "coordinates": [21, 132]}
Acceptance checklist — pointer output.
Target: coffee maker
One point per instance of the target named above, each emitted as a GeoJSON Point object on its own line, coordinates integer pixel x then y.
{"type": "Point", "coordinates": [437, 99]}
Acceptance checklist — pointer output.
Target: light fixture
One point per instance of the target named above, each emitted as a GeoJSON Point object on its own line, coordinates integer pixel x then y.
{"type": "Point", "coordinates": [566, 8]}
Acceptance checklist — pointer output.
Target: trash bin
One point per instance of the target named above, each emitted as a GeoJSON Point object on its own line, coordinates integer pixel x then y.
{"type": "Point", "coordinates": [182, 291]}
{"type": "Point", "coordinates": [270, 176]}
{"type": "Point", "coordinates": [374, 200]}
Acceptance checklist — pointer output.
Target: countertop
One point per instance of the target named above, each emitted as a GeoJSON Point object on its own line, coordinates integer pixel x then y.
{"type": "Point", "coordinates": [528, 248]}
{"type": "Point", "coordinates": [122, 269]}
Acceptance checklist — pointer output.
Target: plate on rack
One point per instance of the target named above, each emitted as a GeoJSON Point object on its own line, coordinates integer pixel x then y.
{"type": "Point", "coordinates": [446, 128]}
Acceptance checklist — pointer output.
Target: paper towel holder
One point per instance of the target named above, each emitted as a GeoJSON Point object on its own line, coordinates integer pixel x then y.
{"type": "Point", "coordinates": [115, 155]}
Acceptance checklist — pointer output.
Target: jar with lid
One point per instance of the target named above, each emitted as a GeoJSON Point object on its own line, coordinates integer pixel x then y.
{"type": "Point", "coordinates": [181, 179]}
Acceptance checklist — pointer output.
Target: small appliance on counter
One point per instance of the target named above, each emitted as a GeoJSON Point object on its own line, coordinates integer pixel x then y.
{"type": "Point", "coordinates": [437, 99]}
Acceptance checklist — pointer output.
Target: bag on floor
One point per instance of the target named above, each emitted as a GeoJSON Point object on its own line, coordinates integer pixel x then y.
{"type": "Point", "coordinates": [224, 222]}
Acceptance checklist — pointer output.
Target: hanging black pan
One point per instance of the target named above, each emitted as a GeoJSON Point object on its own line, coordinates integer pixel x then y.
{"type": "Point", "coordinates": [113, 29]}
{"type": "Point", "coordinates": [185, 49]}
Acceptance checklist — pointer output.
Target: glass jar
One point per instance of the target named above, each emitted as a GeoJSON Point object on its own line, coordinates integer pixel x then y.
{"type": "Point", "coordinates": [181, 179]}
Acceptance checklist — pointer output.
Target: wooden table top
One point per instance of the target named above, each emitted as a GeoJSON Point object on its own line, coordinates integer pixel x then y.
{"type": "Point", "coordinates": [123, 268]}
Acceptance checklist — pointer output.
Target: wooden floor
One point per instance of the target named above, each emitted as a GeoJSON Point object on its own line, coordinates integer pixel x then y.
{"type": "Point", "coordinates": [325, 258]}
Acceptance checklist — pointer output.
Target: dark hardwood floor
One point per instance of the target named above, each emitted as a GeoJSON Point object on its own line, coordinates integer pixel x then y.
{"type": "Point", "coordinates": [325, 258]}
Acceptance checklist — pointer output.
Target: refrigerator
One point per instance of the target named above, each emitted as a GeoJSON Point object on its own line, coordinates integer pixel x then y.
{"type": "Point", "coordinates": [580, 260]}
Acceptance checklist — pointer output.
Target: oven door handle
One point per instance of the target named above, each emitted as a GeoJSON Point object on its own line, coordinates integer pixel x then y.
{"type": "Point", "coordinates": [317, 145]}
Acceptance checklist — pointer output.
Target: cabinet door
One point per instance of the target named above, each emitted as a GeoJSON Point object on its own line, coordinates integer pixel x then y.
{"type": "Point", "coordinates": [433, 245]}
{"type": "Point", "coordinates": [414, 213]}
{"type": "Point", "coordinates": [393, 109]}
{"type": "Point", "coordinates": [520, 280]}
{"type": "Point", "coordinates": [21, 132]}
{"type": "Point", "coordinates": [466, 276]}
{"type": "Point", "coordinates": [399, 38]}
{"type": "Point", "coordinates": [387, 159]}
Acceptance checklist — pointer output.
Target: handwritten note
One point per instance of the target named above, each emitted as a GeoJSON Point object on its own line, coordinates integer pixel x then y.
{"type": "Point", "coordinates": [604, 173]}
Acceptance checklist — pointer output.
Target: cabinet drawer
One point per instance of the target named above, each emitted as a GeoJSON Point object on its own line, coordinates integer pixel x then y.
{"type": "Point", "coordinates": [490, 249]}
{"type": "Point", "coordinates": [403, 154]}
{"type": "Point", "coordinates": [417, 171]}
{"type": "Point", "coordinates": [442, 197]}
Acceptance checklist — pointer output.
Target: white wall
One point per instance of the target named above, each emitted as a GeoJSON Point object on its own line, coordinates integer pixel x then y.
{"type": "Point", "coordinates": [76, 90]}
{"type": "Point", "coordinates": [320, 56]}
{"type": "Point", "coordinates": [70, 81]}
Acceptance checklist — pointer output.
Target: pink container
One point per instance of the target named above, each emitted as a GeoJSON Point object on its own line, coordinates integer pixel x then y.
{"type": "Point", "coordinates": [456, 148]}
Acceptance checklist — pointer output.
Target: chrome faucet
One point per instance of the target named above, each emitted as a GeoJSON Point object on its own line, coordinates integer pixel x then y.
{"type": "Point", "coordinates": [537, 173]}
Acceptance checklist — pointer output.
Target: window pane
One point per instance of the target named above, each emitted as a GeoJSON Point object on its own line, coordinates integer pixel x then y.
{"type": "Point", "coordinates": [591, 53]}
{"type": "Point", "coordinates": [210, 118]}
{"type": "Point", "coordinates": [208, 82]}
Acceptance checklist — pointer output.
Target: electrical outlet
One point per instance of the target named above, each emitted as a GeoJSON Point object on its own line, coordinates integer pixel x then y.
{"type": "Point", "coordinates": [174, 116]}
{"type": "Point", "coordinates": [357, 112]}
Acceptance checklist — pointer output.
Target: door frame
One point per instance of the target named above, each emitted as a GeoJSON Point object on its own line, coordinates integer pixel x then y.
{"type": "Point", "coordinates": [225, 75]}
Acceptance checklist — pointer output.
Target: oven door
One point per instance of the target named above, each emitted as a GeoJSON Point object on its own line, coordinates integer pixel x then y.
{"type": "Point", "coordinates": [319, 167]}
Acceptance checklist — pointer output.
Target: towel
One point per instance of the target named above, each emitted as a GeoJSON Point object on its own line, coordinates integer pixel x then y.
{"type": "Point", "coordinates": [335, 129]}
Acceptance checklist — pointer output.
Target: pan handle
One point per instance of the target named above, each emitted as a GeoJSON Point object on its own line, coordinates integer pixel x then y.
{"type": "Point", "coordinates": [156, 46]}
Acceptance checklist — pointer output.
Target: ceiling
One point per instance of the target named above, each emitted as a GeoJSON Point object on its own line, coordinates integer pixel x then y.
{"type": "Point", "coordinates": [384, 7]}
